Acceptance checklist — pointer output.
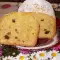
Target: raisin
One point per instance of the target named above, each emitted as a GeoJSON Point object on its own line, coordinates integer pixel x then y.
{"type": "Point", "coordinates": [6, 37]}
{"type": "Point", "coordinates": [23, 41]}
{"type": "Point", "coordinates": [16, 37]}
{"type": "Point", "coordinates": [33, 33]}
{"type": "Point", "coordinates": [45, 29]}
{"type": "Point", "coordinates": [13, 20]}
{"type": "Point", "coordinates": [16, 31]}
{"type": "Point", "coordinates": [46, 32]}
{"type": "Point", "coordinates": [42, 19]}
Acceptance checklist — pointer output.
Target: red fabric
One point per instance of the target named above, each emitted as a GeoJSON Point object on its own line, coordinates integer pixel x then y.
{"type": "Point", "coordinates": [6, 6]}
{"type": "Point", "coordinates": [58, 29]}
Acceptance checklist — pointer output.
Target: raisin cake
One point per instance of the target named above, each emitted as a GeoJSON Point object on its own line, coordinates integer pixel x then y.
{"type": "Point", "coordinates": [37, 6]}
{"type": "Point", "coordinates": [47, 25]}
{"type": "Point", "coordinates": [18, 29]}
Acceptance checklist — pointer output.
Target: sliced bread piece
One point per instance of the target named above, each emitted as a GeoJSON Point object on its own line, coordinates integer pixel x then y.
{"type": "Point", "coordinates": [47, 25]}
{"type": "Point", "coordinates": [19, 28]}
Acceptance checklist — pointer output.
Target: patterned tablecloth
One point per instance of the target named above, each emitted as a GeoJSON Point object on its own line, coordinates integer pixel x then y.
{"type": "Point", "coordinates": [52, 53]}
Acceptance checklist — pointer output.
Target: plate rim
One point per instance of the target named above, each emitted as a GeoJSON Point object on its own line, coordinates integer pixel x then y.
{"type": "Point", "coordinates": [55, 40]}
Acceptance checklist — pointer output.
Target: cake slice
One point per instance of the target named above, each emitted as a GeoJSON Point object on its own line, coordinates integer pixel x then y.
{"type": "Point", "coordinates": [19, 28]}
{"type": "Point", "coordinates": [47, 25]}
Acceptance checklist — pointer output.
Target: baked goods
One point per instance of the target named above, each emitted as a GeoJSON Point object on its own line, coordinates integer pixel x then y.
{"type": "Point", "coordinates": [18, 29]}
{"type": "Point", "coordinates": [22, 28]}
{"type": "Point", "coordinates": [45, 16]}
{"type": "Point", "coordinates": [47, 25]}
{"type": "Point", "coordinates": [42, 6]}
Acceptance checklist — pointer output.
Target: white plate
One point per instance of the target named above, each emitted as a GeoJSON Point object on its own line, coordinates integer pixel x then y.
{"type": "Point", "coordinates": [53, 42]}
